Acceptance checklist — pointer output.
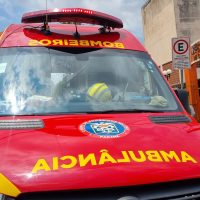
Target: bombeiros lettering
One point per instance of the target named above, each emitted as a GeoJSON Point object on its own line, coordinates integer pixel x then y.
{"type": "Point", "coordinates": [104, 157]}
{"type": "Point", "coordinates": [76, 43]}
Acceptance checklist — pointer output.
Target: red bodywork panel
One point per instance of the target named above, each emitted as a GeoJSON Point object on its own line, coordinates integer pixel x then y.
{"type": "Point", "coordinates": [21, 149]}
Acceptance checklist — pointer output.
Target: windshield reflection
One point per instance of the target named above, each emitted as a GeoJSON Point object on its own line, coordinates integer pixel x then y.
{"type": "Point", "coordinates": [40, 80]}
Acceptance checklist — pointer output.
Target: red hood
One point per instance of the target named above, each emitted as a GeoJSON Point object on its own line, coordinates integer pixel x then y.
{"type": "Point", "coordinates": [54, 158]}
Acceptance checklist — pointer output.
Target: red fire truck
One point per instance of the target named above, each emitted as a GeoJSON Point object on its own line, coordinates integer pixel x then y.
{"type": "Point", "coordinates": [86, 114]}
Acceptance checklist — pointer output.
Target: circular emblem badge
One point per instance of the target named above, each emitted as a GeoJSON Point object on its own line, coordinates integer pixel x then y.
{"type": "Point", "coordinates": [104, 128]}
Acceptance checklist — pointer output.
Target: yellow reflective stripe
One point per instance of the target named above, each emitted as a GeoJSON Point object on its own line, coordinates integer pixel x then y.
{"type": "Point", "coordinates": [103, 94]}
{"type": "Point", "coordinates": [100, 90]}
{"type": "Point", "coordinates": [7, 187]}
{"type": "Point", "coordinates": [93, 89]}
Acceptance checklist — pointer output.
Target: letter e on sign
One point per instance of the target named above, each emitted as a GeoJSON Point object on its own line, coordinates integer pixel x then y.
{"type": "Point", "coordinates": [181, 53]}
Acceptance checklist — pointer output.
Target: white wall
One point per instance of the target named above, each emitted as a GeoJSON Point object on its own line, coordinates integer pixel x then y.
{"type": "Point", "coordinates": [159, 27]}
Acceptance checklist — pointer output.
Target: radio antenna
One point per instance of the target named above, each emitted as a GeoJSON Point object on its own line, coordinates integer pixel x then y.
{"type": "Point", "coordinates": [76, 34]}
{"type": "Point", "coordinates": [46, 13]}
{"type": "Point", "coordinates": [46, 25]}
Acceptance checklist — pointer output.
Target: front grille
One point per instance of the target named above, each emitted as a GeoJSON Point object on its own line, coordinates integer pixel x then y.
{"type": "Point", "coordinates": [181, 190]}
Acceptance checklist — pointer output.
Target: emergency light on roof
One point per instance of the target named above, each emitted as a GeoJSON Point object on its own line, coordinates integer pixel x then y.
{"type": "Point", "coordinates": [76, 15]}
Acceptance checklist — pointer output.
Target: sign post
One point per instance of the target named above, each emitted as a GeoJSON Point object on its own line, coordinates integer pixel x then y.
{"type": "Point", "coordinates": [181, 54]}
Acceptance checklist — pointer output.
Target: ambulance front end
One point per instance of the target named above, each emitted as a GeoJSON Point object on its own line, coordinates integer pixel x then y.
{"type": "Point", "coordinates": [86, 114]}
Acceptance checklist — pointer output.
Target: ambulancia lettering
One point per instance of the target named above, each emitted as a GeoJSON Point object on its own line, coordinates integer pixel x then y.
{"type": "Point", "coordinates": [105, 157]}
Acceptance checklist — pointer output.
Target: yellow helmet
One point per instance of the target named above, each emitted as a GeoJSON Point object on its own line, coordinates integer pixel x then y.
{"type": "Point", "coordinates": [100, 92]}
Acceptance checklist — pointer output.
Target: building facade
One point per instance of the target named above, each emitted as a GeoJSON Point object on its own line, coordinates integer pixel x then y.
{"type": "Point", "coordinates": [164, 20]}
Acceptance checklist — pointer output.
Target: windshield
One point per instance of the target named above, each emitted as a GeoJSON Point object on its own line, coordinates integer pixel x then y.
{"type": "Point", "coordinates": [40, 80]}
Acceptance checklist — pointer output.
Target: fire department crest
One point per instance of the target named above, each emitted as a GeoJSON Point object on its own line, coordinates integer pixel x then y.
{"type": "Point", "coordinates": [104, 128]}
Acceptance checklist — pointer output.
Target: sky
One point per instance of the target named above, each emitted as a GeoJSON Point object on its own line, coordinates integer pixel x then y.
{"type": "Point", "coordinates": [129, 11]}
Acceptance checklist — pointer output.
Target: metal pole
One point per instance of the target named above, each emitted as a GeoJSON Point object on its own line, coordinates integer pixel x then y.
{"type": "Point", "coordinates": [181, 78]}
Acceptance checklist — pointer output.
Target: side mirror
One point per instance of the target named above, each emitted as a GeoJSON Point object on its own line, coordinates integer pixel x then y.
{"type": "Point", "coordinates": [183, 97]}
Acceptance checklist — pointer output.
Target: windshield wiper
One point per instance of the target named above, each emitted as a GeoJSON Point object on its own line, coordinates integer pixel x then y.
{"type": "Point", "coordinates": [125, 111]}
{"type": "Point", "coordinates": [46, 114]}
{"type": "Point", "coordinates": [86, 112]}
